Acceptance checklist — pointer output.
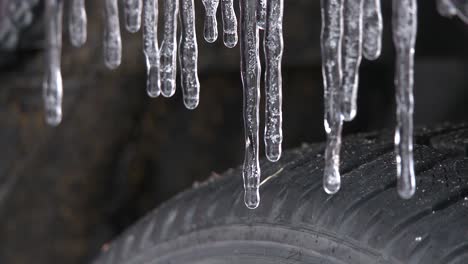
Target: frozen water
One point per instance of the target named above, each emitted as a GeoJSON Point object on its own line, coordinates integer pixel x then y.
{"type": "Point", "coordinates": [188, 55]}
{"type": "Point", "coordinates": [229, 23]}
{"type": "Point", "coordinates": [150, 47]}
{"type": "Point", "coordinates": [132, 11]}
{"type": "Point", "coordinates": [77, 23]}
{"type": "Point", "coordinates": [372, 29]}
{"type": "Point", "coordinates": [168, 52]}
{"type": "Point", "coordinates": [52, 86]}
{"type": "Point", "coordinates": [261, 13]}
{"type": "Point", "coordinates": [273, 45]}
{"type": "Point", "coordinates": [112, 39]}
{"type": "Point", "coordinates": [211, 25]}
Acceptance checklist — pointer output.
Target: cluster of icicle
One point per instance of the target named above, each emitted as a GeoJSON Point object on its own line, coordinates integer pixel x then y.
{"type": "Point", "coordinates": [350, 29]}
{"type": "Point", "coordinates": [161, 62]}
{"type": "Point", "coordinates": [255, 15]}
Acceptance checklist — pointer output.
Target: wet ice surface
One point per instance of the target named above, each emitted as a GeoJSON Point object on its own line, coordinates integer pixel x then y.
{"type": "Point", "coordinates": [404, 37]}
{"type": "Point", "coordinates": [372, 29]}
{"type": "Point", "coordinates": [168, 52]}
{"type": "Point", "coordinates": [112, 40]}
{"type": "Point", "coordinates": [211, 25]}
{"type": "Point", "coordinates": [229, 23]}
{"type": "Point", "coordinates": [52, 85]}
{"type": "Point", "coordinates": [188, 55]}
{"type": "Point", "coordinates": [132, 11]}
{"type": "Point", "coordinates": [150, 47]}
{"type": "Point", "coordinates": [77, 23]}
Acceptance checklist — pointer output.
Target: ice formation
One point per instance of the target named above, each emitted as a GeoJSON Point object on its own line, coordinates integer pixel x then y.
{"type": "Point", "coordinates": [351, 29]}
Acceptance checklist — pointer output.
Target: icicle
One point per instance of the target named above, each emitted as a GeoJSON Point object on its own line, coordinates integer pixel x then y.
{"type": "Point", "coordinates": [229, 23]}
{"type": "Point", "coordinates": [77, 23]}
{"type": "Point", "coordinates": [132, 10]}
{"type": "Point", "coordinates": [273, 46]}
{"type": "Point", "coordinates": [211, 25]}
{"type": "Point", "coordinates": [250, 72]}
{"type": "Point", "coordinates": [150, 46]}
{"type": "Point", "coordinates": [404, 37]}
{"type": "Point", "coordinates": [446, 8]}
{"type": "Point", "coordinates": [52, 86]}
{"type": "Point", "coordinates": [373, 26]}
{"type": "Point", "coordinates": [261, 14]}
{"type": "Point", "coordinates": [168, 52]}
{"type": "Point", "coordinates": [352, 52]}
{"type": "Point", "coordinates": [112, 40]}
{"type": "Point", "coordinates": [332, 30]}
{"type": "Point", "coordinates": [188, 55]}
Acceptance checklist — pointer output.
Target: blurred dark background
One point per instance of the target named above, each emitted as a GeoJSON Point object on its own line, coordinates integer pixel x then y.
{"type": "Point", "coordinates": [66, 191]}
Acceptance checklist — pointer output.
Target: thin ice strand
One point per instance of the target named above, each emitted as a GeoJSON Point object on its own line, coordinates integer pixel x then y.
{"type": "Point", "coordinates": [52, 86]}
{"type": "Point", "coordinates": [112, 39]}
{"type": "Point", "coordinates": [273, 46]}
{"type": "Point", "coordinates": [150, 47]}
{"type": "Point", "coordinates": [229, 23]}
{"type": "Point", "coordinates": [332, 30]}
{"type": "Point", "coordinates": [372, 29]}
{"type": "Point", "coordinates": [404, 37]}
{"type": "Point", "coordinates": [77, 23]}
{"type": "Point", "coordinates": [261, 14]}
{"type": "Point", "coordinates": [351, 55]}
{"type": "Point", "coordinates": [250, 72]}
{"type": "Point", "coordinates": [446, 8]}
{"type": "Point", "coordinates": [132, 11]}
{"type": "Point", "coordinates": [168, 52]}
{"type": "Point", "coordinates": [188, 55]}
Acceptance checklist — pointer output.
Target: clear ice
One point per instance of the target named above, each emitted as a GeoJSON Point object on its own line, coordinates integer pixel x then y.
{"type": "Point", "coordinates": [150, 47]}
{"type": "Point", "coordinates": [112, 39]}
{"type": "Point", "coordinates": [262, 14]}
{"type": "Point", "coordinates": [351, 55]}
{"type": "Point", "coordinates": [372, 30]}
{"type": "Point", "coordinates": [188, 55]}
{"type": "Point", "coordinates": [77, 23]}
{"type": "Point", "coordinates": [250, 72]}
{"type": "Point", "coordinates": [168, 52]}
{"type": "Point", "coordinates": [211, 25]}
{"type": "Point", "coordinates": [273, 46]}
{"type": "Point", "coordinates": [331, 39]}
{"type": "Point", "coordinates": [132, 11]}
{"type": "Point", "coordinates": [52, 85]}
{"type": "Point", "coordinates": [404, 22]}
{"type": "Point", "coordinates": [229, 23]}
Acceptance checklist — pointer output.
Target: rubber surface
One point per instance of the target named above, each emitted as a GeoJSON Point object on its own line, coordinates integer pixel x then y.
{"type": "Point", "coordinates": [297, 222]}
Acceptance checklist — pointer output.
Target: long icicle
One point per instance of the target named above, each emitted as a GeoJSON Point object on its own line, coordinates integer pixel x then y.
{"type": "Point", "coordinates": [150, 47]}
{"type": "Point", "coordinates": [78, 22]}
{"type": "Point", "coordinates": [132, 11]}
{"type": "Point", "coordinates": [372, 30]}
{"type": "Point", "coordinates": [229, 23]}
{"type": "Point", "coordinates": [273, 46]}
{"type": "Point", "coordinates": [211, 25]}
{"type": "Point", "coordinates": [112, 39]}
{"type": "Point", "coordinates": [168, 52]}
{"type": "Point", "coordinates": [404, 22]}
{"type": "Point", "coordinates": [188, 55]}
{"type": "Point", "coordinates": [332, 30]}
{"type": "Point", "coordinates": [261, 14]}
{"type": "Point", "coordinates": [250, 72]}
{"type": "Point", "coordinates": [351, 55]}
{"type": "Point", "coordinates": [52, 86]}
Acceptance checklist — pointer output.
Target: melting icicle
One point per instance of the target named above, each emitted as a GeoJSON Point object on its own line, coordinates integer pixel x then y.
{"type": "Point", "coordinates": [77, 23]}
{"type": "Point", "coordinates": [332, 29]}
{"type": "Point", "coordinates": [229, 23]}
{"type": "Point", "coordinates": [373, 27]}
{"type": "Point", "coordinates": [446, 8]}
{"type": "Point", "coordinates": [211, 25]}
{"type": "Point", "coordinates": [352, 52]}
{"type": "Point", "coordinates": [273, 46]}
{"type": "Point", "coordinates": [188, 55]}
{"type": "Point", "coordinates": [132, 10]}
{"type": "Point", "coordinates": [52, 86]}
{"type": "Point", "coordinates": [261, 14]}
{"type": "Point", "coordinates": [250, 72]}
{"type": "Point", "coordinates": [404, 22]}
{"type": "Point", "coordinates": [168, 52]}
{"type": "Point", "coordinates": [150, 46]}
{"type": "Point", "coordinates": [112, 40]}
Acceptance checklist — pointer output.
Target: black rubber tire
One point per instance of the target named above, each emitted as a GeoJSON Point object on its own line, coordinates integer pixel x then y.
{"type": "Point", "coordinates": [297, 222]}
